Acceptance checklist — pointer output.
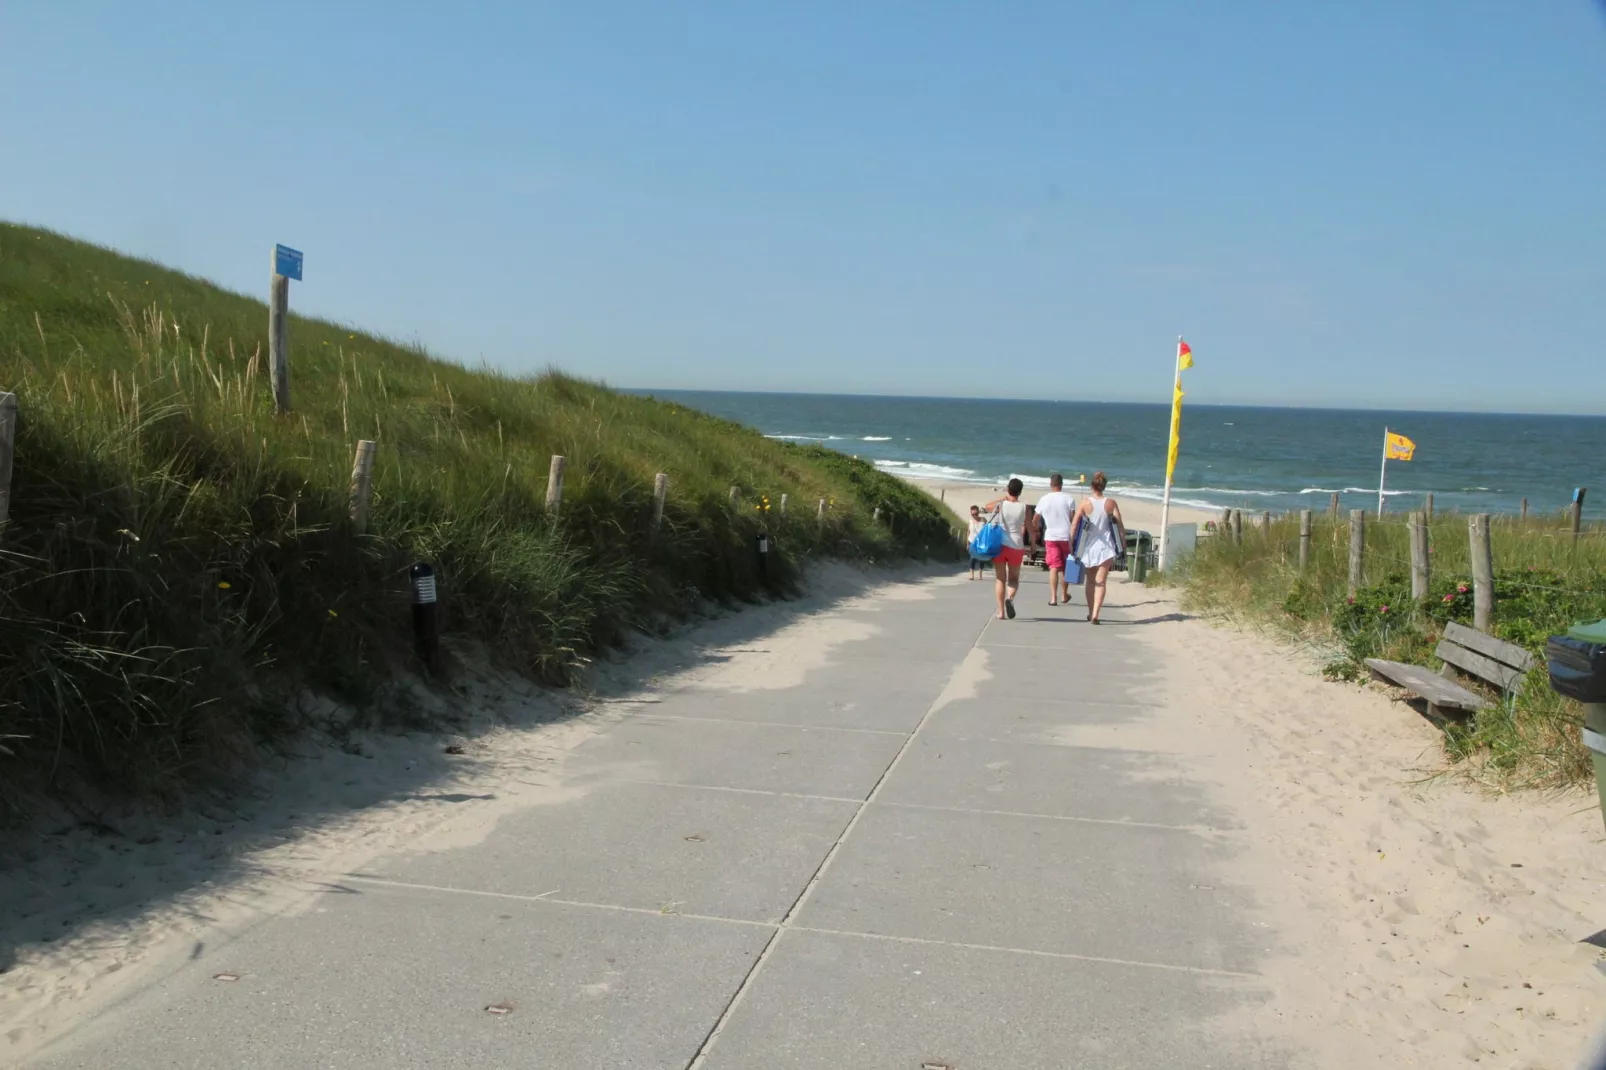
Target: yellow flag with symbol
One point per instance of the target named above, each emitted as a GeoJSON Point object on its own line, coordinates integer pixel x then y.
{"type": "Point", "coordinates": [1398, 447]}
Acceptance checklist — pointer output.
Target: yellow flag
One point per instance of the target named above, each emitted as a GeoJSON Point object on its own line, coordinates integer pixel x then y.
{"type": "Point", "coordinates": [1176, 430]}
{"type": "Point", "coordinates": [1184, 355]}
{"type": "Point", "coordinates": [1397, 447]}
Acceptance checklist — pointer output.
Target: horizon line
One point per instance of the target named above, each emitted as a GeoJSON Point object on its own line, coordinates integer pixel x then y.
{"type": "Point", "coordinates": [1083, 401]}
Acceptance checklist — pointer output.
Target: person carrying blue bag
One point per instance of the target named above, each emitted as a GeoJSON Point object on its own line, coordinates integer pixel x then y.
{"type": "Point", "coordinates": [1003, 541]}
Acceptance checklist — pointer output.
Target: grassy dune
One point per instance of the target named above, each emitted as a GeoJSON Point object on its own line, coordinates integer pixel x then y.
{"type": "Point", "coordinates": [178, 559]}
{"type": "Point", "coordinates": [1543, 585]}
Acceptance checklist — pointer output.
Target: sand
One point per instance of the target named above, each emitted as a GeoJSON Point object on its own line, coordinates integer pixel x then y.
{"type": "Point", "coordinates": [1411, 922]}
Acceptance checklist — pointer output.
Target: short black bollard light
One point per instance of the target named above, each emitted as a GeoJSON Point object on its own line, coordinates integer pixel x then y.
{"type": "Point", "coordinates": [762, 542]}
{"type": "Point", "coordinates": [426, 626]}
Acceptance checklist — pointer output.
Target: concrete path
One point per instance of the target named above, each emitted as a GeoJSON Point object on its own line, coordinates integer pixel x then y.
{"type": "Point", "coordinates": [897, 864]}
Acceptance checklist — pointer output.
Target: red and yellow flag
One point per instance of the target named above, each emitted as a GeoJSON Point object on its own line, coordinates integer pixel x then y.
{"type": "Point", "coordinates": [1184, 355]}
{"type": "Point", "coordinates": [1397, 447]}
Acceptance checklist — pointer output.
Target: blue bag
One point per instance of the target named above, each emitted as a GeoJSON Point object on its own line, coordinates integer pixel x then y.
{"type": "Point", "coordinates": [1073, 567]}
{"type": "Point", "coordinates": [989, 540]}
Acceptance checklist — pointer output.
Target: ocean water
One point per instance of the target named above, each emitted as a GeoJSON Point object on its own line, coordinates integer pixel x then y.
{"type": "Point", "coordinates": [1252, 458]}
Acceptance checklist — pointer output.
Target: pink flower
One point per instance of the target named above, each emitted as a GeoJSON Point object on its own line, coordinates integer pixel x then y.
{"type": "Point", "coordinates": [1449, 598]}
{"type": "Point", "coordinates": [1461, 588]}
{"type": "Point", "coordinates": [1350, 601]}
{"type": "Point", "coordinates": [1382, 609]}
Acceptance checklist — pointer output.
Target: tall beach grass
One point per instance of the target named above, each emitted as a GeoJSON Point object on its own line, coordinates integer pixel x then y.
{"type": "Point", "coordinates": [178, 559]}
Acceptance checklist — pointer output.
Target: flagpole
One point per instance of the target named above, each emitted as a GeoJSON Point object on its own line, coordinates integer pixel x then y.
{"type": "Point", "coordinates": [1165, 502]}
{"type": "Point", "coordinates": [1383, 473]}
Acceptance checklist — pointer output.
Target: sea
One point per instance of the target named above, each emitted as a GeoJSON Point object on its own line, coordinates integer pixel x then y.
{"type": "Point", "coordinates": [1257, 458]}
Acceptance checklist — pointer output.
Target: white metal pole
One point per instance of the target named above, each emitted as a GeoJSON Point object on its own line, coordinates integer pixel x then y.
{"type": "Point", "coordinates": [1165, 502]}
{"type": "Point", "coordinates": [1383, 472]}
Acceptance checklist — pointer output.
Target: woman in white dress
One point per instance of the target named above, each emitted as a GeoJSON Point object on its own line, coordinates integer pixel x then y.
{"type": "Point", "coordinates": [1100, 521]}
{"type": "Point", "coordinates": [1006, 566]}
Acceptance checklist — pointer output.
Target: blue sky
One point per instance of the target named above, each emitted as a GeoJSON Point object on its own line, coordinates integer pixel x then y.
{"type": "Point", "coordinates": [1374, 202]}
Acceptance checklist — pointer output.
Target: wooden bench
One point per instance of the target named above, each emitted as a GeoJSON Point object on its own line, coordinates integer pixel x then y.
{"type": "Point", "coordinates": [1491, 660]}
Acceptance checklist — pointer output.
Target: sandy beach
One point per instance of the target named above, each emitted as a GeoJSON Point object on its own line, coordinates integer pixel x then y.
{"type": "Point", "coordinates": [1407, 920]}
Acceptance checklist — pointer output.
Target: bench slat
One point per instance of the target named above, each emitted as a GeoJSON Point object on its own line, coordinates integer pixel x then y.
{"type": "Point", "coordinates": [1505, 653]}
{"type": "Point", "coordinates": [1470, 661]}
{"type": "Point", "coordinates": [1436, 689]}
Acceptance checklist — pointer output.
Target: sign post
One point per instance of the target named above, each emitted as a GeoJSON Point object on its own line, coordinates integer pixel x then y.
{"type": "Point", "coordinates": [286, 266]}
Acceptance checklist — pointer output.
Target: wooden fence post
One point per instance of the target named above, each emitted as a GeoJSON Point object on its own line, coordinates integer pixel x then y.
{"type": "Point", "coordinates": [875, 514]}
{"type": "Point", "coordinates": [1482, 572]}
{"type": "Point", "coordinates": [783, 505]}
{"type": "Point", "coordinates": [279, 342]}
{"type": "Point", "coordinates": [362, 480]}
{"type": "Point", "coordinates": [1265, 523]}
{"type": "Point", "coordinates": [1524, 514]}
{"type": "Point", "coordinates": [1237, 526]}
{"type": "Point", "coordinates": [1578, 512]}
{"type": "Point", "coordinates": [1420, 574]}
{"type": "Point", "coordinates": [736, 497]}
{"type": "Point", "coordinates": [554, 484]}
{"type": "Point", "coordinates": [8, 449]}
{"type": "Point", "coordinates": [1304, 538]}
{"type": "Point", "coordinates": [1428, 507]}
{"type": "Point", "coordinates": [1224, 525]}
{"type": "Point", "coordinates": [1357, 548]}
{"type": "Point", "coordinates": [820, 513]}
{"type": "Point", "coordinates": [660, 491]}
{"type": "Point", "coordinates": [1332, 505]}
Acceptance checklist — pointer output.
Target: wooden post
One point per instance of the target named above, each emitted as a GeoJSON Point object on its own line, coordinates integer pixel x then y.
{"type": "Point", "coordinates": [1304, 538]}
{"type": "Point", "coordinates": [362, 479]}
{"type": "Point", "coordinates": [660, 491]}
{"type": "Point", "coordinates": [783, 505]}
{"type": "Point", "coordinates": [875, 514]}
{"type": "Point", "coordinates": [1524, 513]}
{"type": "Point", "coordinates": [8, 449]}
{"type": "Point", "coordinates": [1578, 512]}
{"type": "Point", "coordinates": [1332, 506]}
{"type": "Point", "coordinates": [820, 515]}
{"type": "Point", "coordinates": [1237, 526]}
{"type": "Point", "coordinates": [1482, 572]}
{"type": "Point", "coordinates": [942, 494]}
{"type": "Point", "coordinates": [1225, 525]}
{"type": "Point", "coordinates": [1265, 523]}
{"type": "Point", "coordinates": [554, 484]}
{"type": "Point", "coordinates": [1428, 507]}
{"type": "Point", "coordinates": [1418, 527]}
{"type": "Point", "coordinates": [279, 342]}
{"type": "Point", "coordinates": [736, 496]}
{"type": "Point", "coordinates": [1357, 548]}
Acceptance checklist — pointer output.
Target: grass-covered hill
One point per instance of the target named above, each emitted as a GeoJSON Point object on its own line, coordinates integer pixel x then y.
{"type": "Point", "coordinates": [178, 557]}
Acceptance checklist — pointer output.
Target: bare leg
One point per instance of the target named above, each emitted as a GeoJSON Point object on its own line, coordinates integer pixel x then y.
{"type": "Point", "coordinates": [1001, 575]}
{"type": "Point", "coordinates": [1102, 573]}
{"type": "Point", "coordinates": [1087, 588]}
{"type": "Point", "coordinates": [1056, 587]}
{"type": "Point", "coordinates": [1014, 580]}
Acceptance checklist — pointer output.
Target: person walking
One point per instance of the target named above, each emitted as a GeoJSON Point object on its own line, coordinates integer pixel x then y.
{"type": "Point", "coordinates": [977, 565]}
{"type": "Point", "coordinates": [1056, 509]}
{"type": "Point", "coordinates": [1006, 566]}
{"type": "Point", "coordinates": [1100, 520]}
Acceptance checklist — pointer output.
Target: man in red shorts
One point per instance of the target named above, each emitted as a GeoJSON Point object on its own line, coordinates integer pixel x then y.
{"type": "Point", "coordinates": [1056, 508]}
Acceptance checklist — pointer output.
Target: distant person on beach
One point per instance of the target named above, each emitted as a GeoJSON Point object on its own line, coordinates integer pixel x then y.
{"type": "Point", "coordinates": [1056, 509]}
{"type": "Point", "coordinates": [1101, 524]}
{"type": "Point", "coordinates": [977, 565]}
{"type": "Point", "coordinates": [1006, 566]}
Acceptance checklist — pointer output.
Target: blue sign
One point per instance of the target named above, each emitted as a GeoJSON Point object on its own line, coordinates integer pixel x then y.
{"type": "Point", "coordinates": [287, 262]}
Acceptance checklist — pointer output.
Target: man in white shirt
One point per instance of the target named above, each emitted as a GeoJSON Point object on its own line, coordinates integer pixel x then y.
{"type": "Point", "coordinates": [1056, 508]}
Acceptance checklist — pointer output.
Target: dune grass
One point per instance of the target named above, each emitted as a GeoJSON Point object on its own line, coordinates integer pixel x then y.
{"type": "Point", "coordinates": [1544, 583]}
{"type": "Point", "coordinates": [179, 561]}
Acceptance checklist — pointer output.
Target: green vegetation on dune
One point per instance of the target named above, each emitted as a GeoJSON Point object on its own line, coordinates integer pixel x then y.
{"type": "Point", "coordinates": [1543, 584]}
{"type": "Point", "coordinates": [178, 558]}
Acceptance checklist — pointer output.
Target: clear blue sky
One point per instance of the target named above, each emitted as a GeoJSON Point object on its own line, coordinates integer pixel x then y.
{"type": "Point", "coordinates": [1399, 203]}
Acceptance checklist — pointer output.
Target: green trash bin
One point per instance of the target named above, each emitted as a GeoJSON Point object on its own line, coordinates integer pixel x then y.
{"type": "Point", "coordinates": [1577, 665]}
